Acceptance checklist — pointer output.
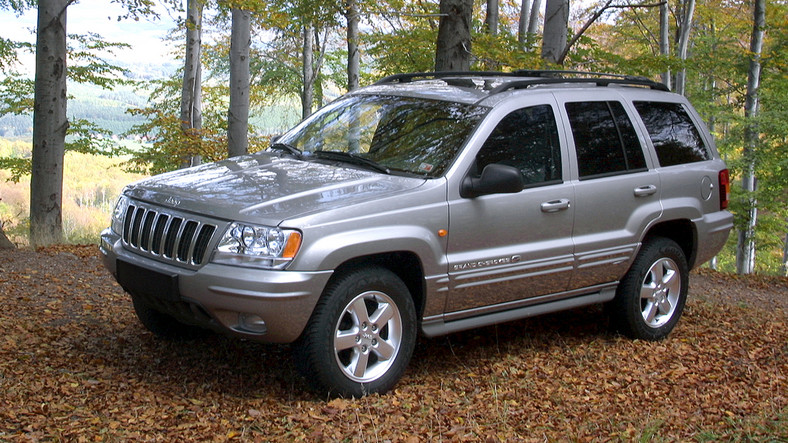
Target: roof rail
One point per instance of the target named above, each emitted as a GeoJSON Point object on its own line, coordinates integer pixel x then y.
{"type": "Point", "coordinates": [542, 77]}
{"type": "Point", "coordinates": [406, 78]}
{"type": "Point", "coordinates": [522, 84]}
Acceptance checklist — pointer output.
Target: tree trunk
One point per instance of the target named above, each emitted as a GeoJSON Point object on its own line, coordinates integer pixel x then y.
{"type": "Point", "coordinates": [533, 20]}
{"type": "Point", "coordinates": [556, 23]}
{"type": "Point", "coordinates": [453, 52]}
{"type": "Point", "coordinates": [307, 95]}
{"type": "Point", "coordinates": [664, 39]}
{"type": "Point", "coordinates": [190, 105]}
{"type": "Point", "coordinates": [683, 44]}
{"type": "Point", "coordinates": [351, 14]}
{"type": "Point", "coordinates": [522, 25]}
{"type": "Point", "coordinates": [785, 254]}
{"type": "Point", "coordinates": [491, 20]}
{"type": "Point", "coordinates": [49, 125]}
{"type": "Point", "coordinates": [5, 243]}
{"type": "Point", "coordinates": [745, 250]}
{"type": "Point", "coordinates": [238, 113]}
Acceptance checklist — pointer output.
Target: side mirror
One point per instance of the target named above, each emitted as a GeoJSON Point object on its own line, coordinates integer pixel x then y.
{"type": "Point", "coordinates": [495, 179]}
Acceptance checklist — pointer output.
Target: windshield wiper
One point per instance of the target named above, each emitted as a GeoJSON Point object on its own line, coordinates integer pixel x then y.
{"type": "Point", "coordinates": [290, 149]}
{"type": "Point", "coordinates": [352, 158]}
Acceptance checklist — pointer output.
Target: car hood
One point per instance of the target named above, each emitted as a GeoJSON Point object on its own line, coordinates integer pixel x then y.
{"type": "Point", "coordinates": [265, 188]}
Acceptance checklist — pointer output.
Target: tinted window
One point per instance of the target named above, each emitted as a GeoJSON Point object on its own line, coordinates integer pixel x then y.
{"type": "Point", "coordinates": [528, 140]}
{"type": "Point", "coordinates": [605, 140]}
{"type": "Point", "coordinates": [675, 137]}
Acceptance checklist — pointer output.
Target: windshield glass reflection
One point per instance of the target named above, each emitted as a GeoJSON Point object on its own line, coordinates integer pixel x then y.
{"type": "Point", "coordinates": [405, 134]}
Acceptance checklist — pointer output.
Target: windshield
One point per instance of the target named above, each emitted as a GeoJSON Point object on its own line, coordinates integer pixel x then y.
{"type": "Point", "coordinates": [411, 135]}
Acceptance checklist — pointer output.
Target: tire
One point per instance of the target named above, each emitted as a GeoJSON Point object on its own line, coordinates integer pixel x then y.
{"type": "Point", "coordinates": [651, 296]}
{"type": "Point", "coordinates": [346, 350]}
{"type": "Point", "coordinates": [163, 325]}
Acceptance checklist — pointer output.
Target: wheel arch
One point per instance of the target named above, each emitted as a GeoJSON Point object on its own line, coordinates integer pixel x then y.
{"type": "Point", "coordinates": [404, 264]}
{"type": "Point", "coordinates": [681, 231]}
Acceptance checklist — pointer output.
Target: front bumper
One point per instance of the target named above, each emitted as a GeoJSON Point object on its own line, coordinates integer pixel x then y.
{"type": "Point", "coordinates": [262, 305]}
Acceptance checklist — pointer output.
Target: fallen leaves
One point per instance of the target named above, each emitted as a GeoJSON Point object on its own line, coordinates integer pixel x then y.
{"type": "Point", "coordinates": [76, 365]}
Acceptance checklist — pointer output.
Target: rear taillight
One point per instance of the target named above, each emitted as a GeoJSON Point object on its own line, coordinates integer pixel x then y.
{"type": "Point", "coordinates": [725, 189]}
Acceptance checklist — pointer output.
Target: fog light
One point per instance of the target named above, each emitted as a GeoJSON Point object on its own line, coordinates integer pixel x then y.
{"type": "Point", "coordinates": [251, 323]}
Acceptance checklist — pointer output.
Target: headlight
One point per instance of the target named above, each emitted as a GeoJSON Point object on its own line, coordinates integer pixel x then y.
{"type": "Point", "coordinates": [257, 246]}
{"type": "Point", "coordinates": [118, 213]}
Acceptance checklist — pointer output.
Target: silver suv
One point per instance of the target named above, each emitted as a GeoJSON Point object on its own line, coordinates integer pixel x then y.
{"type": "Point", "coordinates": [431, 202]}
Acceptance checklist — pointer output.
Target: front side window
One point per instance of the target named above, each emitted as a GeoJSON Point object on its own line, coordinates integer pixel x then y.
{"type": "Point", "coordinates": [674, 135]}
{"type": "Point", "coordinates": [605, 140]}
{"type": "Point", "coordinates": [410, 135]}
{"type": "Point", "coordinates": [528, 140]}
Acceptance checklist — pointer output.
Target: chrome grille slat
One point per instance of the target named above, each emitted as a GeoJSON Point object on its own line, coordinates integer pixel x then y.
{"type": "Point", "coordinates": [166, 235]}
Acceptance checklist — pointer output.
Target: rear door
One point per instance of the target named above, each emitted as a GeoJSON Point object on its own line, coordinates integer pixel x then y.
{"type": "Point", "coordinates": [617, 189]}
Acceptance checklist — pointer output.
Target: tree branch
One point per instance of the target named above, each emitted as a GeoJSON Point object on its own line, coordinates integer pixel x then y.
{"type": "Point", "coordinates": [594, 18]}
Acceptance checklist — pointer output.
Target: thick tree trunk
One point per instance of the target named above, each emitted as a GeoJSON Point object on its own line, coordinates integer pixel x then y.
{"type": "Point", "coordinates": [556, 23]}
{"type": "Point", "coordinates": [683, 43]}
{"type": "Point", "coordinates": [49, 125]}
{"type": "Point", "coordinates": [308, 93]}
{"type": "Point", "coordinates": [238, 113]}
{"type": "Point", "coordinates": [745, 251]}
{"type": "Point", "coordinates": [351, 14]}
{"type": "Point", "coordinates": [453, 51]}
{"type": "Point", "coordinates": [664, 39]}
{"type": "Point", "coordinates": [491, 20]}
{"type": "Point", "coordinates": [190, 95]}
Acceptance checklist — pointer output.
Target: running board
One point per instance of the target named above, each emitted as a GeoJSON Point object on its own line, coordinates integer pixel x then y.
{"type": "Point", "coordinates": [435, 326]}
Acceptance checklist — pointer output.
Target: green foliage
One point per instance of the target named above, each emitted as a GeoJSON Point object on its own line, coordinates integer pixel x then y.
{"type": "Point", "coordinates": [16, 95]}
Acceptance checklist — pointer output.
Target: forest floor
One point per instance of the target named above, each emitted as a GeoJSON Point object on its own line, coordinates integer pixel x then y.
{"type": "Point", "coordinates": [76, 365]}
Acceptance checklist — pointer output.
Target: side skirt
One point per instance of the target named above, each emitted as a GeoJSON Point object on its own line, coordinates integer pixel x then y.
{"type": "Point", "coordinates": [437, 325]}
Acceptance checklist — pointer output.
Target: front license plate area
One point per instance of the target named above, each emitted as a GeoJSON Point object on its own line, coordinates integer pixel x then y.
{"type": "Point", "coordinates": [146, 282]}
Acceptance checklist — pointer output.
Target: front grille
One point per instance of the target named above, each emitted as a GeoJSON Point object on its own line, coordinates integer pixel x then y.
{"type": "Point", "coordinates": [167, 236]}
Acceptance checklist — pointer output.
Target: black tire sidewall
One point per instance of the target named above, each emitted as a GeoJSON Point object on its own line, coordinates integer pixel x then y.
{"type": "Point", "coordinates": [625, 309]}
{"type": "Point", "coordinates": [163, 325]}
{"type": "Point", "coordinates": [314, 353]}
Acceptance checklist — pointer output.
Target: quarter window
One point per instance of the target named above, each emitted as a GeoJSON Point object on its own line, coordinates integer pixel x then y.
{"type": "Point", "coordinates": [528, 140]}
{"type": "Point", "coordinates": [674, 135]}
{"type": "Point", "coordinates": [605, 140]}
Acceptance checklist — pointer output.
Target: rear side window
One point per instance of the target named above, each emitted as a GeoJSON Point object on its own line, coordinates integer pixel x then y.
{"type": "Point", "coordinates": [605, 140]}
{"type": "Point", "coordinates": [674, 135]}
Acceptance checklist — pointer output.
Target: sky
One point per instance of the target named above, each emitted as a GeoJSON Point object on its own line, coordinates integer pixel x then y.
{"type": "Point", "coordinates": [100, 16]}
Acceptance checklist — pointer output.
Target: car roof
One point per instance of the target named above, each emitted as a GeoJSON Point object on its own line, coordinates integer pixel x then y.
{"type": "Point", "coordinates": [473, 87]}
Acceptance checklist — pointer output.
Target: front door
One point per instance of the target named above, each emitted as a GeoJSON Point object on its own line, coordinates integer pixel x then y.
{"type": "Point", "coordinates": [504, 248]}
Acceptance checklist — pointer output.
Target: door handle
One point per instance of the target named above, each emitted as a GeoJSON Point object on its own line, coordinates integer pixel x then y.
{"type": "Point", "coordinates": [555, 205]}
{"type": "Point", "coordinates": [644, 191]}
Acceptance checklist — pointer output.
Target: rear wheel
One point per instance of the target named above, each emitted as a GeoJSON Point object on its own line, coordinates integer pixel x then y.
{"type": "Point", "coordinates": [651, 296]}
{"type": "Point", "coordinates": [361, 335]}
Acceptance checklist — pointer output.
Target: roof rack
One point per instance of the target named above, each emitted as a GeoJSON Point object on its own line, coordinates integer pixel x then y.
{"type": "Point", "coordinates": [542, 77]}
{"type": "Point", "coordinates": [409, 77]}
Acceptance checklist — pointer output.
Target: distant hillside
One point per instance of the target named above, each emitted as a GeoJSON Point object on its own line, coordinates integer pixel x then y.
{"type": "Point", "coordinates": [103, 107]}
{"type": "Point", "coordinates": [107, 109]}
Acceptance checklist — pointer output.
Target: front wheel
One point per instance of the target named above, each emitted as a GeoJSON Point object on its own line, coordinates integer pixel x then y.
{"type": "Point", "coordinates": [361, 335]}
{"type": "Point", "coordinates": [651, 296]}
{"type": "Point", "coordinates": [162, 325]}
